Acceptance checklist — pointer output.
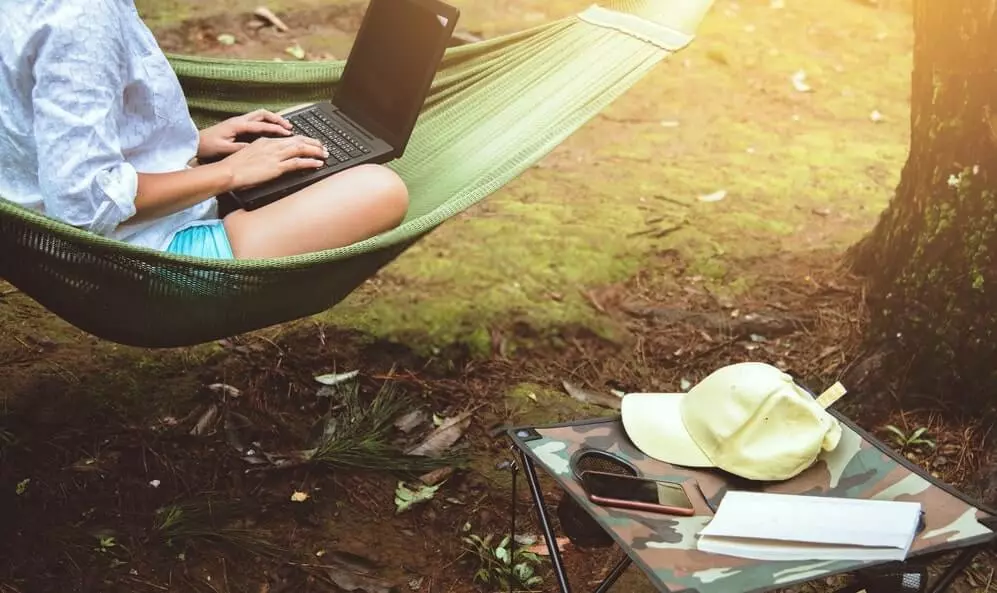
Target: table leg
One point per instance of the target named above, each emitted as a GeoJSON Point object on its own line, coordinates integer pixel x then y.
{"type": "Point", "coordinates": [538, 499]}
{"type": "Point", "coordinates": [960, 564]}
{"type": "Point", "coordinates": [615, 574]}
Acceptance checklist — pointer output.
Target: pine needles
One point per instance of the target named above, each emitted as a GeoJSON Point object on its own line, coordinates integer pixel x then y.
{"type": "Point", "coordinates": [213, 522]}
{"type": "Point", "coordinates": [358, 434]}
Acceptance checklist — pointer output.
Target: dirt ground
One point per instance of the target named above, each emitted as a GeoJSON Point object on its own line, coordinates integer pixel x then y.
{"type": "Point", "coordinates": [146, 471]}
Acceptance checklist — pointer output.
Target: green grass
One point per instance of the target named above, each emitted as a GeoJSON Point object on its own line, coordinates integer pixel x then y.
{"type": "Point", "coordinates": [802, 171]}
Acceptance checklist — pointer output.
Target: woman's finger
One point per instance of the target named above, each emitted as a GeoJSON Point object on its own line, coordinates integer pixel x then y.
{"type": "Point", "coordinates": [302, 163]}
{"type": "Point", "coordinates": [262, 127]}
{"type": "Point", "coordinates": [274, 118]}
{"type": "Point", "coordinates": [302, 146]}
{"type": "Point", "coordinates": [264, 115]}
{"type": "Point", "coordinates": [318, 152]}
{"type": "Point", "coordinates": [311, 141]}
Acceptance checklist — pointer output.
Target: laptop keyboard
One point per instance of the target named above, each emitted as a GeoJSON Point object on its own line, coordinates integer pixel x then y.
{"type": "Point", "coordinates": [342, 145]}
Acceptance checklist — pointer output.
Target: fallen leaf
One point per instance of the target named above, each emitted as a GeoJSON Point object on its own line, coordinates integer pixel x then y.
{"type": "Point", "coordinates": [541, 549]}
{"type": "Point", "coordinates": [226, 39]}
{"type": "Point", "coordinates": [255, 460]}
{"type": "Point", "coordinates": [237, 431]}
{"type": "Point", "coordinates": [714, 197]}
{"type": "Point", "coordinates": [265, 14]}
{"type": "Point", "coordinates": [206, 421]}
{"type": "Point", "coordinates": [443, 437]}
{"type": "Point", "coordinates": [411, 421]}
{"type": "Point", "coordinates": [592, 397]}
{"type": "Point", "coordinates": [281, 460]}
{"type": "Point", "coordinates": [299, 497]}
{"type": "Point", "coordinates": [332, 380]}
{"type": "Point", "coordinates": [297, 51]}
{"type": "Point", "coordinates": [800, 82]}
{"type": "Point", "coordinates": [224, 389]}
{"type": "Point", "coordinates": [436, 476]}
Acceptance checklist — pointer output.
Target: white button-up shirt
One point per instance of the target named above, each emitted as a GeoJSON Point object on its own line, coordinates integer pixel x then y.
{"type": "Point", "coordinates": [87, 101]}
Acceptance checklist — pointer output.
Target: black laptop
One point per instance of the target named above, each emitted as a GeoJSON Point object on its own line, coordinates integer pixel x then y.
{"type": "Point", "coordinates": [387, 77]}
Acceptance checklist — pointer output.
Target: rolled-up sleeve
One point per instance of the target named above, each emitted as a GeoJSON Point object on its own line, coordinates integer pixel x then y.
{"type": "Point", "coordinates": [78, 96]}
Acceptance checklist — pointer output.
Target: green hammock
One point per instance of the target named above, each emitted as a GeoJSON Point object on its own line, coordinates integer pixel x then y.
{"type": "Point", "coordinates": [496, 108]}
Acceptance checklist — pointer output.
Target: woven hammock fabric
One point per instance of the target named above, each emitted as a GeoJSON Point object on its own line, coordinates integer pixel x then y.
{"type": "Point", "coordinates": [496, 107]}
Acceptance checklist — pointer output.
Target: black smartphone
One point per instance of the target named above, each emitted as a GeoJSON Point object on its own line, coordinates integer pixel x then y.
{"type": "Point", "coordinates": [641, 494]}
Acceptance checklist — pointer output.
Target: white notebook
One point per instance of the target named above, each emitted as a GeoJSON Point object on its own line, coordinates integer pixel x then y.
{"type": "Point", "coordinates": [763, 526]}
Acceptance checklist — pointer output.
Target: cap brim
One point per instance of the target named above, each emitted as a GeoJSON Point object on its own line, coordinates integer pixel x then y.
{"type": "Point", "coordinates": [653, 421]}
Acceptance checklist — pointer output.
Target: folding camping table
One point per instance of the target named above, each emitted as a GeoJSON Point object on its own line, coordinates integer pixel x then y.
{"type": "Point", "coordinates": [664, 548]}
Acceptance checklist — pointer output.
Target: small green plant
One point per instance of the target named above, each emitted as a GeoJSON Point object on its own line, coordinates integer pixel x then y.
{"type": "Point", "coordinates": [105, 543]}
{"type": "Point", "coordinates": [915, 439]}
{"type": "Point", "coordinates": [406, 498]}
{"type": "Point", "coordinates": [500, 567]}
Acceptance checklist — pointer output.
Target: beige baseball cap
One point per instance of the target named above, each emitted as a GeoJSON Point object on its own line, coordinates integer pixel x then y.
{"type": "Point", "coordinates": [749, 419]}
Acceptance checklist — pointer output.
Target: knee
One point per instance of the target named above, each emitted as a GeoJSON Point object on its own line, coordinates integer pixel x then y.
{"type": "Point", "coordinates": [389, 192]}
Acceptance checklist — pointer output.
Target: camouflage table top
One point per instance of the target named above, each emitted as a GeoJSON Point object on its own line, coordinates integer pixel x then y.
{"type": "Point", "coordinates": [664, 545]}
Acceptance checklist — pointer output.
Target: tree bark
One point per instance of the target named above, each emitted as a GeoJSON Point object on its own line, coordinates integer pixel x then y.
{"type": "Point", "coordinates": [932, 258]}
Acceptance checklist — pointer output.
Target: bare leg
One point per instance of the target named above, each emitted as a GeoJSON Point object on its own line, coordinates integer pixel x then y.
{"type": "Point", "coordinates": [340, 210]}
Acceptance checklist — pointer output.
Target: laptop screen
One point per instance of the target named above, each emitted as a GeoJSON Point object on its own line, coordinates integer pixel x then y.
{"type": "Point", "coordinates": [392, 63]}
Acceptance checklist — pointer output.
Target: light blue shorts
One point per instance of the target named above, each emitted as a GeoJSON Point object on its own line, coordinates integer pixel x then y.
{"type": "Point", "coordinates": [202, 240]}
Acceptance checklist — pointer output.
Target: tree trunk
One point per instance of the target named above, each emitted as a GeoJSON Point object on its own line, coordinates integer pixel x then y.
{"type": "Point", "coordinates": [932, 258]}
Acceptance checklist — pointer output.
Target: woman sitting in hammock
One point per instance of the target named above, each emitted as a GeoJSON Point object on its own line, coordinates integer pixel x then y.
{"type": "Point", "coordinates": [95, 131]}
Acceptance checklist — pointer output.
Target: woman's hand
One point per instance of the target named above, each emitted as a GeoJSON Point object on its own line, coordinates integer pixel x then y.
{"type": "Point", "coordinates": [220, 139]}
{"type": "Point", "coordinates": [269, 158]}
{"type": "Point", "coordinates": [161, 194]}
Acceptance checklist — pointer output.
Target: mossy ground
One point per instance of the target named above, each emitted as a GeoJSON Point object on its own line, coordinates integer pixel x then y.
{"type": "Point", "coordinates": [802, 171]}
